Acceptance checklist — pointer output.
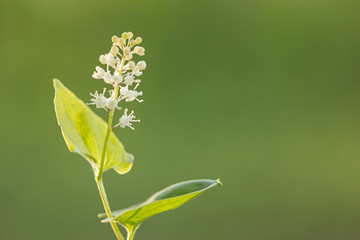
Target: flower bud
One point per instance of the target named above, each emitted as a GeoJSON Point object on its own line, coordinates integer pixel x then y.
{"type": "Point", "coordinates": [139, 50]}
{"type": "Point", "coordinates": [102, 59]}
{"type": "Point", "coordinates": [108, 78]}
{"type": "Point", "coordinates": [122, 42]}
{"type": "Point", "coordinates": [131, 65]}
{"type": "Point", "coordinates": [130, 35]}
{"type": "Point", "coordinates": [141, 65]}
{"type": "Point", "coordinates": [138, 40]}
{"type": "Point", "coordinates": [129, 56]}
{"type": "Point", "coordinates": [132, 43]}
{"type": "Point", "coordinates": [126, 50]}
{"type": "Point", "coordinates": [124, 35]}
{"type": "Point", "coordinates": [115, 39]}
{"type": "Point", "coordinates": [114, 50]}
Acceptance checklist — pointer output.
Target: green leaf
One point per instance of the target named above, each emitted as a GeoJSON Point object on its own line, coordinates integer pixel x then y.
{"type": "Point", "coordinates": [167, 199]}
{"type": "Point", "coordinates": [84, 132]}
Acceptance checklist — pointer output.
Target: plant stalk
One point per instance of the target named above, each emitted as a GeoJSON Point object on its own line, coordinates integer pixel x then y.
{"type": "Point", "coordinates": [106, 205]}
{"type": "Point", "coordinates": [131, 232]}
{"type": "Point", "coordinates": [98, 178]}
{"type": "Point", "coordinates": [106, 140]}
{"type": "Point", "coordinates": [109, 128]}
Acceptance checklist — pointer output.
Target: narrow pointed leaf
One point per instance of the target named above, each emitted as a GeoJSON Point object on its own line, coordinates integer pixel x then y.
{"type": "Point", "coordinates": [84, 132]}
{"type": "Point", "coordinates": [169, 198]}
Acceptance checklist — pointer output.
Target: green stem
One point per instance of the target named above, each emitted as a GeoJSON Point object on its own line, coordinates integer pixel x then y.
{"type": "Point", "coordinates": [106, 140]}
{"type": "Point", "coordinates": [109, 128]}
{"type": "Point", "coordinates": [131, 232]}
{"type": "Point", "coordinates": [98, 178]}
{"type": "Point", "coordinates": [105, 202]}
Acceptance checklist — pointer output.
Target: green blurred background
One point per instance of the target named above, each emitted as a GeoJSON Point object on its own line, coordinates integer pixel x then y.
{"type": "Point", "coordinates": [262, 94]}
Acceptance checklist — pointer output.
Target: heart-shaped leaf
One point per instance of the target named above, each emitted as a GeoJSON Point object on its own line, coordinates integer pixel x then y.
{"type": "Point", "coordinates": [84, 132]}
{"type": "Point", "coordinates": [167, 199]}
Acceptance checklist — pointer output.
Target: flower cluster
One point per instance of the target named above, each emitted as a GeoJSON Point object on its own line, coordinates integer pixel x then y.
{"type": "Point", "coordinates": [122, 73]}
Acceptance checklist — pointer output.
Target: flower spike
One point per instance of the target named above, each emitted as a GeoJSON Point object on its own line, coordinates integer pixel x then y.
{"type": "Point", "coordinates": [121, 72]}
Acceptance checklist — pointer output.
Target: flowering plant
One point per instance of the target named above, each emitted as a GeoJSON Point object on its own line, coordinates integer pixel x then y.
{"type": "Point", "coordinates": [90, 136]}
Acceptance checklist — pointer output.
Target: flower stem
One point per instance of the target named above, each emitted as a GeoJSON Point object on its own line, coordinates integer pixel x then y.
{"type": "Point", "coordinates": [106, 140]}
{"type": "Point", "coordinates": [98, 177]}
{"type": "Point", "coordinates": [109, 128]}
{"type": "Point", "coordinates": [105, 202]}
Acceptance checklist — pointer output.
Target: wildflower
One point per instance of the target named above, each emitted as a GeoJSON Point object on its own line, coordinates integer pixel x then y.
{"type": "Point", "coordinates": [138, 40]}
{"type": "Point", "coordinates": [127, 120]}
{"type": "Point", "coordinates": [130, 35]}
{"type": "Point", "coordinates": [126, 50]}
{"type": "Point", "coordinates": [112, 102]}
{"type": "Point", "coordinates": [139, 51]}
{"type": "Point", "coordinates": [129, 56]}
{"type": "Point", "coordinates": [130, 65]}
{"type": "Point", "coordinates": [99, 100]}
{"type": "Point", "coordinates": [117, 78]}
{"type": "Point", "coordinates": [114, 50]}
{"type": "Point", "coordinates": [99, 73]}
{"type": "Point", "coordinates": [129, 79]}
{"type": "Point", "coordinates": [132, 95]}
{"type": "Point", "coordinates": [122, 42]}
{"type": "Point", "coordinates": [108, 77]}
{"type": "Point", "coordinates": [124, 90]}
{"type": "Point", "coordinates": [115, 39]}
{"type": "Point", "coordinates": [141, 65]}
{"type": "Point", "coordinates": [121, 76]}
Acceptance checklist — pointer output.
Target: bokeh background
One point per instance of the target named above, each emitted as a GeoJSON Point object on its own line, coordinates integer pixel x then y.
{"type": "Point", "coordinates": [262, 94]}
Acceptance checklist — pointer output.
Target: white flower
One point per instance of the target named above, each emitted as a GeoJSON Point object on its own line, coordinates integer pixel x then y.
{"type": "Point", "coordinates": [99, 73]}
{"type": "Point", "coordinates": [114, 50]}
{"type": "Point", "coordinates": [130, 65]}
{"type": "Point", "coordinates": [111, 102]}
{"type": "Point", "coordinates": [108, 77]}
{"type": "Point", "coordinates": [117, 78]}
{"type": "Point", "coordinates": [122, 76]}
{"type": "Point", "coordinates": [141, 65]}
{"type": "Point", "coordinates": [139, 51]}
{"type": "Point", "coordinates": [127, 120]}
{"type": "Point", "coordinates": [137, 72]}
{"type": "Point", "coordinates": [124, 90]}
{"type": "Point", "coordinates": [129, 56]}
{"type": "Point", "coordinates": [110, 60]}
{"type": "Point", "coordinates": [128, 80]}
{"type": "Point", "coordinates": [126, 50]}
{"type": "Point", "coordinates": [132, 95]}
{"type": "Point", "coordinates": [99, 100]}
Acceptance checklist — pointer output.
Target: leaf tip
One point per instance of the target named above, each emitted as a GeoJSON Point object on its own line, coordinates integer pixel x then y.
{"type": "Point", "coordinates": [219, 183]}
{"type": "Point", "coordinates": [56, 81]}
